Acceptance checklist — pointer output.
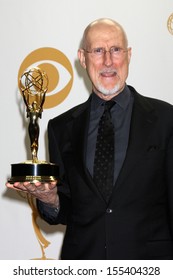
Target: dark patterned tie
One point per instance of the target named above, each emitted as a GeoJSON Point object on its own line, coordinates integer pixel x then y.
{"type": "Point", "coordinates": [104, 154]}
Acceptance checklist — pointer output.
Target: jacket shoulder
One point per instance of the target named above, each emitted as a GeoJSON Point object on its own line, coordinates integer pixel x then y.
{"type": "Point", "coordinates": [69, 114]}
{"type": "Point", "coordinates": [151, 102]}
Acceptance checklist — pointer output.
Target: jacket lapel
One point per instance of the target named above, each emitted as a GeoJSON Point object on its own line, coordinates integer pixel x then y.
{"type": "Point", "coordinates": [142, 123]}
{"type": "Point", "coordinates": [78, 127]}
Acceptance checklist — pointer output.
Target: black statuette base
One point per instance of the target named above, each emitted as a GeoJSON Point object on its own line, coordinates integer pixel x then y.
{"type": "Point", "coordinates": [31, 172]}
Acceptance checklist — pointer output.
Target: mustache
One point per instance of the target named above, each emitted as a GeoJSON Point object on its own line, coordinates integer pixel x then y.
{"type": "Point", "coordinates": [108, 71]}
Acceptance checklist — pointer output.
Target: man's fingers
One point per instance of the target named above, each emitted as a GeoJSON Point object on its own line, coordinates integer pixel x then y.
{"type": "Point", "coordinates": [32, 187]}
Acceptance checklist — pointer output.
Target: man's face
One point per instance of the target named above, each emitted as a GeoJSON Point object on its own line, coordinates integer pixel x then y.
{"type": "Point", "coordinates": [107, 71]}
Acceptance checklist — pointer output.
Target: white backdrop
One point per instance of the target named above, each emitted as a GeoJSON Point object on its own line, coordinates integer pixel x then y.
{"type": "Point", "coordinates": [30, 25]}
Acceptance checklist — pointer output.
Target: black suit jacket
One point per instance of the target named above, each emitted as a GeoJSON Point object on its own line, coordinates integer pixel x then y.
{"type": "Point", "coordinates": [137, 223]}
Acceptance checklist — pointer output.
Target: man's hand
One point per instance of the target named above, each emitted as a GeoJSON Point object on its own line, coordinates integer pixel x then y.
{"type": "Point", "coordinates": [46, 192]}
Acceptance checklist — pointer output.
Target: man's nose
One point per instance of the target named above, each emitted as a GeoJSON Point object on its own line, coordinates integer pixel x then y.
{"type": "Point", "coordinates": [108, 58]}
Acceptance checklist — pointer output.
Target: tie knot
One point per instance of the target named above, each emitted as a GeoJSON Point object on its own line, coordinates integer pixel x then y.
{"type": "Point", "coordinates": [109, 104]}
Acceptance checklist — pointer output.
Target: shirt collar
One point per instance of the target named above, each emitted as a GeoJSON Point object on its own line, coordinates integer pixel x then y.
{"type": "Point", "coordinates": [122, 99]}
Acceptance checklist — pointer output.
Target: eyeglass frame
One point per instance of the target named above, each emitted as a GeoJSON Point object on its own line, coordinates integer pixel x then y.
{"type": "Point", "coordinates": [104, 51]}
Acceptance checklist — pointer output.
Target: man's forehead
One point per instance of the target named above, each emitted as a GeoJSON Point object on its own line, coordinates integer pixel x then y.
{"type": "Point", "coordinates": [102, 32]}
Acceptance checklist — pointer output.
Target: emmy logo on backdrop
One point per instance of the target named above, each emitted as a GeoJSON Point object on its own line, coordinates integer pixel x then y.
{"type": "Point", "coordinates": [33, 86]}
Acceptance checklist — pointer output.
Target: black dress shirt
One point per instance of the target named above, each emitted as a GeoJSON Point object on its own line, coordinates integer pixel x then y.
{"type": "Point", "coordinates": [121, 117]}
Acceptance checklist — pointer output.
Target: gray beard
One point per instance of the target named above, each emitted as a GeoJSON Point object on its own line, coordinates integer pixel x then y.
{"type": "Point", "coordinates": [109, 91]}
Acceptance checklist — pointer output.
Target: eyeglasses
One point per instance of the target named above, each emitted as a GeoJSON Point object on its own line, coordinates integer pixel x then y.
{"type": "Point", "coordinates": [116, 52]}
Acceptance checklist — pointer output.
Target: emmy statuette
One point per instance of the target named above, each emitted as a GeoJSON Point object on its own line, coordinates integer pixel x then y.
{"type": "Point", "coordinates": [33, 86]}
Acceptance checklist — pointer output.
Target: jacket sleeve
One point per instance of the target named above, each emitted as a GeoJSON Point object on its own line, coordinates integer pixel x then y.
{"type": "Point", "coordinates": [49, 214]}
{"type": "Point", "coordinates": [169, 177]}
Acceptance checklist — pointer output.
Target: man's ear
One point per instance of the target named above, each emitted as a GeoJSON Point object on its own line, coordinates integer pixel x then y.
{"type": "Point", "coordinates": [129, 54]}
{"type": "Point", "coordinates": [81, 56]}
